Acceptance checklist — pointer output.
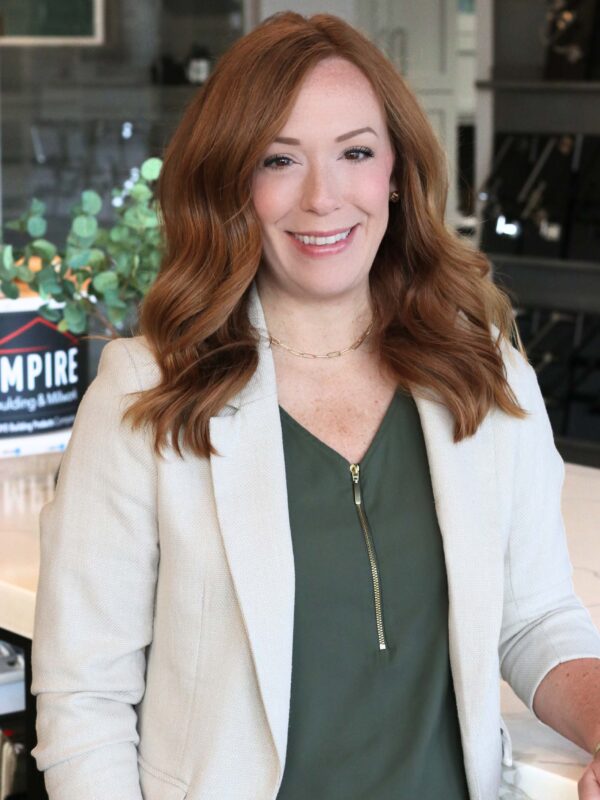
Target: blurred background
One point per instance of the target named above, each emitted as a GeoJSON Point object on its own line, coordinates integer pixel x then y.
{"type": "Point", "coordinates": [91, 90]}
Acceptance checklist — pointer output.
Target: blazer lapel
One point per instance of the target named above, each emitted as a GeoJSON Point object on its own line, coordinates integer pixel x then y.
{"type": "Point", "coordinates": [251, 499]}
{"type": "Point", "coordinates": [464, 485]}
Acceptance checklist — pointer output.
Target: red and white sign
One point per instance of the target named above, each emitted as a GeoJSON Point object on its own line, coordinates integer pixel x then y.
{"type": "Point", "coordinates": [42, 379]}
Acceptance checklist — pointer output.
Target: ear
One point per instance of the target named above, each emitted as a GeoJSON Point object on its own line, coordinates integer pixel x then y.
{"type": "Point", "coordinates": [393, 184]}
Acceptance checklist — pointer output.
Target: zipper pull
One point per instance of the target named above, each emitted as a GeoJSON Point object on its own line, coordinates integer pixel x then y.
{"type": "Point", "coordinates": [355, 472]}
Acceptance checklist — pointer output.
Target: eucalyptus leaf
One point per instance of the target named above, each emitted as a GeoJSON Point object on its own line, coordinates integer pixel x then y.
{"type": "Point", "coordinates": [51, 314]}
{"type": "Point", "coordinates": [91, 202]}
{"type": "Point", "coordinates": [36, 226]}
{"type": "Point", "coordinates": [75, 317]}
{"type": "Point", "coordinates": [141, 192]}
{"type": "Point", "coordinates": [37, 207]}
{"type": "Point", "coordinates": [80, 259]}
{"type": "Point", "coordinates": [44, 248]}
{"type": "Point", "coordinates": [112, 298]}
{"type": "Point", "coordinates": [7, 256]}
{"type": "Point", "coordinates": [133, 217]}
{"type": "Point", "coordinates": [144, 279]}
{"type": "Point", "coordinates": [119, 233]}
{"type": "Point", "coordinates": [97, 258]}
{"type": "Point", "coordinates": [124, 264]}
{"type": "Point", "coordinates": [150, 169]}
{"type": "Point", "coordinates": [25, 274]}
{"type": "Point", "coordinates": [9, 289]}
{"type": "Point", "coordinates": [84, 226]}
{"type": "Point", "coordinates": [105, 281]}
{"type": "Point", "coordinates": [150, 219]}
{"type": "Point", "coordinates": [49, 286]}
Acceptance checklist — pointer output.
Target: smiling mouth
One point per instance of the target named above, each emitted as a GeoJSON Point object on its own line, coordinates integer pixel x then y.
{"type": "Point", "coordinates": [327, 237]}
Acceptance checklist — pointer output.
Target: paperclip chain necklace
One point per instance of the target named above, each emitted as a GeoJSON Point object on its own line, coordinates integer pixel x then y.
{"type": "Point", "coordinates": [332, 354]}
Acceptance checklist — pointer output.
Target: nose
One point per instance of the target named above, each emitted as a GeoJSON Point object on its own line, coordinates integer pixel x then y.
{"type": "Point", "coordinates": [320, 191]}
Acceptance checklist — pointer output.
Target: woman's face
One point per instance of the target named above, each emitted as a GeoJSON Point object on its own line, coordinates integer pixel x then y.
{"type": "Point", "coordinates": [327, 173]}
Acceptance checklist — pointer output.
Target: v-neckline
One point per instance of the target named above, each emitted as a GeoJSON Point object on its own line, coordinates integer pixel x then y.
{"type": "Point", "coordinates": [372, 445]}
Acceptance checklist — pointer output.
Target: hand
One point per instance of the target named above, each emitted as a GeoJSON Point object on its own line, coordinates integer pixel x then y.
{"type": "Point", "coordinates": [589, 784]}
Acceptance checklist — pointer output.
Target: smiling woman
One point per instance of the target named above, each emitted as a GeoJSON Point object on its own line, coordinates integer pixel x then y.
{"type": "Point", "coordinates": [308, 517]}
{"type": "Point", "coordinates": [327, 195]}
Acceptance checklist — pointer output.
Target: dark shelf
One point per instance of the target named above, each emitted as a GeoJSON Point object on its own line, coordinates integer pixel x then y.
{"type": "Point", "coordinates": [551, 283]}
{"type": "Point", "coordinates": [578, 451]}
{"type": "Point", "coordinates": [539, 86]}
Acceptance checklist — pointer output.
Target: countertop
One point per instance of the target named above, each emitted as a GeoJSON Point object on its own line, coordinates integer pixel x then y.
{"type": "Point", "coordinates": [546, 766]}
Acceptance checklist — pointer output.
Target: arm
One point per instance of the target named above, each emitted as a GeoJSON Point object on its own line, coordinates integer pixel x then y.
{"type": "Point", "coordinates": [95, 598]}
{"type": "Point", "coordinates": [544, 623]}
{"type": "Point", "coordinates": [568, 700]}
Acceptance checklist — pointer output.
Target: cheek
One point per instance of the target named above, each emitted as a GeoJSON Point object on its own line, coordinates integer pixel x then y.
{"type": "Point", "coordinates": [270, 198]}
{"type": "Point", "coordinates": [377, 187]}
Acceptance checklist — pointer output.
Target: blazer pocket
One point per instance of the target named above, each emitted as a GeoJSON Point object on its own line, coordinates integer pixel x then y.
{"type": "Point", "coordinates": [507, 759]}
{"type": "Point", "coordinates": [157, 785]}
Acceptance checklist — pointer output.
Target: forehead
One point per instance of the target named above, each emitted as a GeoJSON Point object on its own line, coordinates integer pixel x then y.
{"type": "Point", "coordinates": [335, 93]}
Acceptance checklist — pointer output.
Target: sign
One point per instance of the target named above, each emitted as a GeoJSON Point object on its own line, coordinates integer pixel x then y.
{"type": "Point", "coordinates": [62, 22]}
{"type": "Point", "coordinates": [42, 379]}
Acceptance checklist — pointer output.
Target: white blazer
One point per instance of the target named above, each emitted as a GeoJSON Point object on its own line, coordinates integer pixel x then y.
{"type": "Point", "coordinates": [162, 645]}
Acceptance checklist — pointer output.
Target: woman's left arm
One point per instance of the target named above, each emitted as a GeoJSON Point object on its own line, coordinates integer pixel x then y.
{"type": "Point", "coordinates": [568, 700]}
{"type": "Point", "coordinates": [549, 646]}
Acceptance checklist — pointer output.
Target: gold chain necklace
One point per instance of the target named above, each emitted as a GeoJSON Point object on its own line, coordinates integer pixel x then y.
{"type": "Point", "coordinates": [333, 354]}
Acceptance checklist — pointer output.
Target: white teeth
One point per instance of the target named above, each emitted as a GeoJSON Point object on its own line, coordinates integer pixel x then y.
{"type": "Point", "coordinates": [322, 239]}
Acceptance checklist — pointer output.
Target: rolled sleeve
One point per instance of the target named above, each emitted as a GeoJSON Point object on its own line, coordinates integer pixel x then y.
{"type": "Point", "coordinates": [544, 622]}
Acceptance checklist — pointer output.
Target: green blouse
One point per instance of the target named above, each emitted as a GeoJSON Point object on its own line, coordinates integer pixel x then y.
{"type": "Point", "coordinates": [372, 710]}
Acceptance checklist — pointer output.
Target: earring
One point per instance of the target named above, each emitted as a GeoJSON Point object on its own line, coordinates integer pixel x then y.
{"type": "Point", "coordinates": [394, 197]}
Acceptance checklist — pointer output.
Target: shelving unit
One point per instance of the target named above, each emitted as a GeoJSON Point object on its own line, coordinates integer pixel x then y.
{"type": "Point", "coordinates": [555, 296]}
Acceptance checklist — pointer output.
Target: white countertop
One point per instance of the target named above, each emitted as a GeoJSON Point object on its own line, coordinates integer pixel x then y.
{"type": "Point", "coordinates": [546, 765]}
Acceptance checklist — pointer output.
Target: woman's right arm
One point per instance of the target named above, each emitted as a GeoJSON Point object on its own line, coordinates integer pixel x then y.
{"type": "Point", "coordinates": [95, 596]}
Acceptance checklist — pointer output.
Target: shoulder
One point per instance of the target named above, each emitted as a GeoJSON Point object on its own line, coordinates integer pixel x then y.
{"type": "Point", "coordinates": [520, 375]}
{"type": "Point", "coordinates": [129, 363]}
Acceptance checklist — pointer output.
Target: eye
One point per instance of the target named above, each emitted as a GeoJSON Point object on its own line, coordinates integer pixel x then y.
{"type": "Point", "coordinates": [365, 151]}
{"type": "Point", "coordinates": [274, 162]}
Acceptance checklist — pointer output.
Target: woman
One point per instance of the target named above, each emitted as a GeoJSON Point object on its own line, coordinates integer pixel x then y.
{"type": "Point", "coordinates": [307, 517]}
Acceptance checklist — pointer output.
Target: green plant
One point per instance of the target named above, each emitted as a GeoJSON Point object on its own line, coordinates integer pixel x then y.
{"type": "Point", "coordinates": [100, 273]}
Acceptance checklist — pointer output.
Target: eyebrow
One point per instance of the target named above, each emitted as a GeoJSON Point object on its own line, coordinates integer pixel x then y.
{"type": "Point", "coordinates": [342, 138]}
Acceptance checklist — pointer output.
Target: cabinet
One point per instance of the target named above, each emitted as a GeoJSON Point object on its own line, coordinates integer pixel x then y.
{"type": "Point", "coordinates": [558, 300]}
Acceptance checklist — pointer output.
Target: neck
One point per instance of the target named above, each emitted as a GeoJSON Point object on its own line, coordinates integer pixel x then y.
{"type": "Point", "coordinates": [315, 325]}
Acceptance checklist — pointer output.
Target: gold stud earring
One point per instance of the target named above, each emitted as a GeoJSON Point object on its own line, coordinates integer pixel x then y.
{"type": "Point", "coordinates": [394, 197]}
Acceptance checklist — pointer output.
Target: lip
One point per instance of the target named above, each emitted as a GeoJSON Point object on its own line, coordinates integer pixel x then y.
{"type": "Point", "coordinates": [321, 251]}
{"type": "Point", "coordinates": [322, 233]}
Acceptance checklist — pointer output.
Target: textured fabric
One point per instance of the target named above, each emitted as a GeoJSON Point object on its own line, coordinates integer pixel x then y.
{"type": "Point", "coordinates": [365, 721]}
{"type": "Point", "coordinates": [163, 628]}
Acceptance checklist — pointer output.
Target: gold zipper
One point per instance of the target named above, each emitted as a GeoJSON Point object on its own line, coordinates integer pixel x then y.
{"type": "Point", "coordinates": [355, 472]}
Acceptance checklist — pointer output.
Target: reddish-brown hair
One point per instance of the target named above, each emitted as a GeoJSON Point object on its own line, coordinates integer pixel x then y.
{"type": "Point", "coordinates": [424, 275]}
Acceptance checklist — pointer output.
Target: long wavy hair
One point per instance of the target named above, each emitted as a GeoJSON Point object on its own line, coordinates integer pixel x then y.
{"type": "Point", "coordinates": [424, 280]}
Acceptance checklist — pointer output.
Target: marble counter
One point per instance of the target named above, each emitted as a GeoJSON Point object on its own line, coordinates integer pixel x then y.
{"type": "Point", "coordinates": [545, 765]}
{"type": "Point", "coordinates": [26, 483]}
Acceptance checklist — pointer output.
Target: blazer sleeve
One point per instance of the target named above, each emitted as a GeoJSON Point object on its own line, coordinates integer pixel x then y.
{"type": "Point", "coordinates": [544, 622]}
{"type": "Point", "coordinates": [95, 598]}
